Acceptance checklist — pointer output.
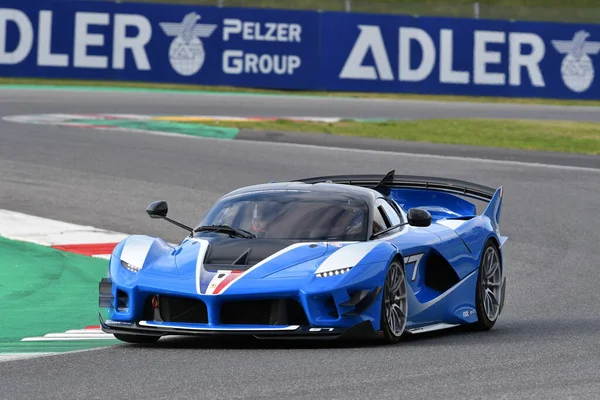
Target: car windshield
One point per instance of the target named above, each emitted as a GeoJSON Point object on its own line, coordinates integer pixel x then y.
{"type": "Point", "coordinates": [293, 214]}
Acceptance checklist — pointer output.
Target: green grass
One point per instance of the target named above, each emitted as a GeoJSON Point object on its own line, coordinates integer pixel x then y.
{"type": "Point", "coordinates": [558, 136]}
{"type": "Point", "coordinates": [43, 290]}
{"type": "Point", "coordinates": [228, 89]}
{"type": "Point", "coordinates": [536, 10]}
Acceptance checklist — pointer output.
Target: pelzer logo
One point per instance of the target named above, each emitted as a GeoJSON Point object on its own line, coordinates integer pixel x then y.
{"type": "Point", "coordinates": [577, 69]}
{"type": "Point", "coordinates": [186, 53]}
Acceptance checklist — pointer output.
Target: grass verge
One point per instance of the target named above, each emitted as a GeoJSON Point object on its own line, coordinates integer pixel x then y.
{"type": "Point", "coordinates": [43, 290]}
{"type": "Point", "coordinates": [558, 136]}
{"type": "Point", "coordinates": [535, 10]}
{"type": "Point", "coordinates": [227, 89]}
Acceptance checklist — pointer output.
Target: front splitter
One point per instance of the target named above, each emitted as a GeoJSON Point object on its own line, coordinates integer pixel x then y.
{"type": "Point", "coordinates": [155, 328]}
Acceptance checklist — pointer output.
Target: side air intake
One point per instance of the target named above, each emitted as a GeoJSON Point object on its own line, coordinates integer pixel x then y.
{"type": "Point", "coordinates": [439, 274]}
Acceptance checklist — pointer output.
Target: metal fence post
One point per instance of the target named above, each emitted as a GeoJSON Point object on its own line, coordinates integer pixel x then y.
{"type": "Point", "coordinates": [476, 10]}
{"type": "Point", "coordinates": [348, 5]}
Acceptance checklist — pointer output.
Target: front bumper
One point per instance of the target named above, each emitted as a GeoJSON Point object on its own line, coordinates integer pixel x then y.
{"type": "Point", "coordinates": [153, 328]}
{"type": "Point", "coordinates": [320, 306]}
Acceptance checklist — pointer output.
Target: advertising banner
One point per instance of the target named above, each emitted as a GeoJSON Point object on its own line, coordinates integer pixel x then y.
{"type": "Point", "coordinates": [306, 50]}
{"type": "Point", "coordinates": [159, 43]}
{"type": "Point", "coordinates": [382, 53]}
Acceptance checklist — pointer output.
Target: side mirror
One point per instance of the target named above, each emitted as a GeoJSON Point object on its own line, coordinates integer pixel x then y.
{"type": "Point", "coordinates": [419, 217]}
{"type": "Point", "coordinates": [158, 209]}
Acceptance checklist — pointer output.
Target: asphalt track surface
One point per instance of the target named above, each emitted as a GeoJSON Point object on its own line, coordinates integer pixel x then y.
{"type": "Point", "coordinates": [546, 344]}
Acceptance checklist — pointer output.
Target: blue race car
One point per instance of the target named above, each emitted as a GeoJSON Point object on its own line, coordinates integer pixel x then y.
{"type": "Point", "coordinates": [328, 257]}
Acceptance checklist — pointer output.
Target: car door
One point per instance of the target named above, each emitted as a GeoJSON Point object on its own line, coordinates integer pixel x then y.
{"type": "Point", "coordinates": [413, 242]}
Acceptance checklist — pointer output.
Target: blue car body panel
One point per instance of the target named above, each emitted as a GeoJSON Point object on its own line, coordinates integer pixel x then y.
{"type": "Point", "coordinates": [455, 239]}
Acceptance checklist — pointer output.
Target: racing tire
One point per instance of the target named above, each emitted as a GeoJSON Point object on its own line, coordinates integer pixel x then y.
{"type": "Point", "coordinates": [137, 339]}
{"type": "Point", "coordinates": [394, 303]}
{"type": "Point", "coordinates": [489, 294]}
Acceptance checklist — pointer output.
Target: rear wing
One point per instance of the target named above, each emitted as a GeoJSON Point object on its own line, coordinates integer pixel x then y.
{"type": "Point", "coordinates": [453, 186]}
{"type": "Point", "coordinates": [391, 180]}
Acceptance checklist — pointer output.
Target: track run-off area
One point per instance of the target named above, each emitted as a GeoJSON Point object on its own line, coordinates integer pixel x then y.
{"type": "Point", "coordinates": [546, 344]}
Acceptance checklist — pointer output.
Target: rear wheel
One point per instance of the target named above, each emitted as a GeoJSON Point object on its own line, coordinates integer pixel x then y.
{"type": "Point", "coordinates": [488, 299]}
{"type": "Point", "coordinates": [394, 307]}
{"type": "Point", "coordinates": [138, 339]}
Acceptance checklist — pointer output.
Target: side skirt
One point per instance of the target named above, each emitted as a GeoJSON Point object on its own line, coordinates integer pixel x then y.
{"type": "Point", "coordinates": [431, 328]}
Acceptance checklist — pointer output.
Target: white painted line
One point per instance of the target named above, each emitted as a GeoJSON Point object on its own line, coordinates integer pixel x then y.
{"type": "Point", "coordinates": [54, 339]}
{"type": "Point", "coordinates": [399, 154]}
{"type": "Point", "coordinates": [72, 334]}
{"type": "Point", "coordinates": [375, 152]}
{"type": "Point", "coordinates": [65, 335]}
{"type": "Point", "coordinates": [19, 356]}
{"type": "Point", "coordinates": [48, 232]}
{"type": "Point", "coordinates": [22, 356]}
{"type": "Point", "coordinates": [86, 331]}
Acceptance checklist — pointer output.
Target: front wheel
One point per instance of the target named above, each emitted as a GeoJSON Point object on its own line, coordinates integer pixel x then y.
{"type": "Point", "coordinates": [137, 339]}
{"type": "Point", "coordinates": [394, 306]}
{"type": "Point", "coordinates": [488, 298]}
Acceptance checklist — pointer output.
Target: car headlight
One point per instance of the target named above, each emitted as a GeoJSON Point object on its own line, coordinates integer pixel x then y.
{"type": "Point", "coordinates": [129, 266]}
{"type": "Point", "coordinates": [333, 272]}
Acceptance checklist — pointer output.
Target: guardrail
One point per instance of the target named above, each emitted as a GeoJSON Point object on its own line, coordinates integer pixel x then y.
{"type": "Point", "coordinates": [299, 50]}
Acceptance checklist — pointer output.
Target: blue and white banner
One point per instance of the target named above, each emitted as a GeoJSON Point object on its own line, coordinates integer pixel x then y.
{"type": "Point", "coordinates": [297, 49]}
{"type": "Point", "coordinates": [159, 43]}
{"type": "Point", "coordinates": [456, 56]}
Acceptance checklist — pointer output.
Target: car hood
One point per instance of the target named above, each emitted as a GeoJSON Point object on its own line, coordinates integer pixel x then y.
{"type": "Point", "coordinates": [222, 254]}
{"type": "Point", "coordinates": [211, 265]}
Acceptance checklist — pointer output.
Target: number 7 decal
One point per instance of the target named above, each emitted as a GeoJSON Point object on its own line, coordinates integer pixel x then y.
{"type": "Point", "coordinates": [415, 258]}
